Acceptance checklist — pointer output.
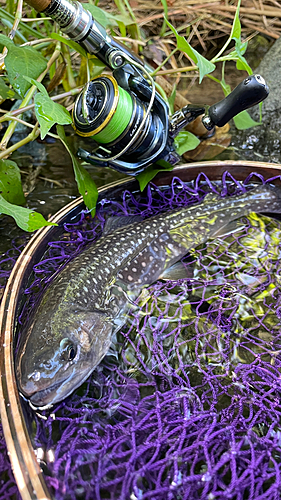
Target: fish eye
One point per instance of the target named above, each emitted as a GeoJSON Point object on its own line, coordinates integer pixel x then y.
{"type": "Point", "coordinates": [71, 353]}
{"type": "Point", "coordinates": [68, 350]}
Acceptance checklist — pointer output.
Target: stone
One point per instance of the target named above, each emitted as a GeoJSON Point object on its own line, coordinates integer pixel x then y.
{"type": "Point", "coordinates": [270, 70]}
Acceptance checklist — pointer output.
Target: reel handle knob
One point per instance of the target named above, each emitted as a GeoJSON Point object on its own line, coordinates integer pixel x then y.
{"type": "Point", "coordinates": [248, 93]}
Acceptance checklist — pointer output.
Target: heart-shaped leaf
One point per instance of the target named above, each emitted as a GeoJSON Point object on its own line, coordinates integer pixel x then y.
{"type": "Point", "coordinates": [86, 186]}
{"type": "Point", "coordinates": [186, 141]}
{"type": "Point", "coordinates": [26, 219]}
{"type": "Point", "coordinates": [204, 66]}
{"type": "Point", "coordinates": [6, 92]}
{"type": "Point", "coordinates": [98, 14]}
{"type": "Point", "coordinates": [149, 173]}
{"type": "Point", "coordinates": [49, 112]}
{"type": "Point", "coordinates": [243, 121]}
{"type": "Point", "coordinates": [20, 62]}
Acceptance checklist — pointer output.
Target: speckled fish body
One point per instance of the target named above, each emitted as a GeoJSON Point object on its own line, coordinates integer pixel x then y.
{"type": "Point", "coordinates": [73, 326]}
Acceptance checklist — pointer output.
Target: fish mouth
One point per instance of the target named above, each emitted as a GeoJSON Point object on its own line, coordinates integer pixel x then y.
{"type": "Point", "coordinates": [45, 397]}
{"type": "Point", "coordinates": [48, 396]}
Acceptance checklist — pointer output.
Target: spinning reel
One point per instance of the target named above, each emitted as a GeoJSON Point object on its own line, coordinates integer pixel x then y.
{"type": "Point", "coordinates": [124, 115]}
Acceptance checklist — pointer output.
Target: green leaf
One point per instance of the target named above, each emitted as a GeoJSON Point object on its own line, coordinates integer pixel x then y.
{"type": "Point", "coordinates": [115, 19]}
{"type": "Point", "coordinates": [48, 112]}
{"type": "Point", "coordinates": [96, 66]}
{"type": "Point", "coordinates": [236, 26]}
{"type": "Point", "coordinates": [10, 182]}
{"type": "Point", "coordinates": [5, 41]}
{"type": "Point", "coordinates": [164, 25]}
{"type": "Point", "coordinates": [74, 45]}
{"type": "Point", "coordinates": [26, 219]}
{"type": "Point", "coordinates": [98, 14]}
{"type": "Point", "coordinates": [5, 91]}
{"type": "Point", "coordinates": [240, 47]}
{"type": "Point", "coordinates": [149, 173]}
{"type": "Point", "coordinates": [86, 186]}
{"type": "Point", "coordinates": [242, 64]}
{"type": "Point", "coordinates": [186, 141]}
{"type": "Point", "coordinates": [22, 61]}
{"type": "Point", "coordinates": [204, 66]}
{"type": "Point", "coordinates": [225, 87]}
{"type": "Point", "coordinates": [171, 99]}
{"type": "Point", "coordinates": [39, 85]}
{"type": "Point", "coordinates": [243, 121]}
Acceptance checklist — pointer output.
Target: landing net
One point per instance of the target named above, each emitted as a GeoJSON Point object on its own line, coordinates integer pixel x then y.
{"type": "Point", "coordinates": [186, 405]}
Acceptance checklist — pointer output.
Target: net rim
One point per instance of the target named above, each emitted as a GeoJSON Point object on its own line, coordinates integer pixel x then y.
{"type": "Point", "coordinates": [27, 472]}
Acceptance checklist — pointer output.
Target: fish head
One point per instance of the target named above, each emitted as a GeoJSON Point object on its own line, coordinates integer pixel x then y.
{"type": "Point", "coordinates": [58, 354]}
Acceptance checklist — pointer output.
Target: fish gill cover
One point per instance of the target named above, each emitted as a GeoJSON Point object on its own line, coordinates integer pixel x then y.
{"type": "Point", "coordinates": [186, 405]}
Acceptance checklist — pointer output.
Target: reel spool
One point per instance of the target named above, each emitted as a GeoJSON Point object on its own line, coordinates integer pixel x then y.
{"type": "Point", "coordinates": [113, 116]}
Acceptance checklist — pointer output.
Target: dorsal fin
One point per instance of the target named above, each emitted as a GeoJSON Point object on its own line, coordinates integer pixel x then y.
{"type": "Point", "coordinates": [114, 223]}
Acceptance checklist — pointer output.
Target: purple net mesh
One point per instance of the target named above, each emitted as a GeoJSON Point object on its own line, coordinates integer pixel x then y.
{"type": "Point", "coordinates": [186, 404]}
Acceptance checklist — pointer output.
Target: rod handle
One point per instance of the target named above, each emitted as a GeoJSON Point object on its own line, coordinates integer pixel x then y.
{"type": "Point", "coordinates": [39, 5]}
{"type": "Point", "coordinates": [248, 93]}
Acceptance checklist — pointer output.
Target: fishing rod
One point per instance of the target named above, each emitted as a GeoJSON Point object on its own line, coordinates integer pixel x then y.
{"type": "Point", "coordinates": [125, 116]}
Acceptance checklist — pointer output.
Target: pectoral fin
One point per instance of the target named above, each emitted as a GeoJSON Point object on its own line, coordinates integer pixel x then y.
{"type": "Point", "coordinates": [231, 227]}
{"type": "Point", "coordinates": [177, 272]}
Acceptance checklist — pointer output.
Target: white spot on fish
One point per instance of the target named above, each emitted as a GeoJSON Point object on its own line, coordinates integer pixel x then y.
{"type": "Point", "coordinates": [130, 278]}
{"type": "Point", "coordinates": [85, 289]}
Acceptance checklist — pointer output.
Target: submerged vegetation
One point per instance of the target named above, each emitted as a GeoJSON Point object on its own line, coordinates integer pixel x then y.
{"type": "Point", "coordinates": [38, 60]}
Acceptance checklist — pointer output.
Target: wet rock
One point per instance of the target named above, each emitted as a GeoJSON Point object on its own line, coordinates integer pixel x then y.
{"type": "Point", "coordinates": [259, 143]}
{"type": "Point", "coordinates": [262, 142]}
{"type": "Point", "coordinates": [270, 69]}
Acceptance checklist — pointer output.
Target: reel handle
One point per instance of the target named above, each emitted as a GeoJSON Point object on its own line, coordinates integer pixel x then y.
{"type": "Point", "coordinates": [249, 92]}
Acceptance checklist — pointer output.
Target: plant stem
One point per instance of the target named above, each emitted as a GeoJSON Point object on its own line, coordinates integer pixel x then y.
{"type": "Point", "coordinates": [35, 19]}
{"type": "Point", "coordinates": [17, 20]}
{"type": "Point", "coordinates": [131, 12]}
{"type": "Point", "coordinates": [164, 25]}
{"type": "Point", "coordinates": [35, 132]}
{"type": "Point", "coordinates": [37, 42]}
{"type": "Point", "coordinates": [216, 57]}
{"type": "Point", "coordinates": [13, 30]}
{"type": "Point", "coordinates": [164, 62]}
{"type": "Point", "coordinates": [161, 91]}
{"type": "Point", "coordinates": [16, 112]}
{"type": "Point", "coordinates": [10, 130]}
{"type": "Point", "coordinates": [177, 70]}
{"type": "Point", "coordinates": [70, 77]}
{"type": "Point", "coordinates": [19, 121]}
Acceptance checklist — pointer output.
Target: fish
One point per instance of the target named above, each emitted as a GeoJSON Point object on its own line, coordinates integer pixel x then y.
{"type": "Point", "coordinates": [88, 301]}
